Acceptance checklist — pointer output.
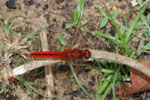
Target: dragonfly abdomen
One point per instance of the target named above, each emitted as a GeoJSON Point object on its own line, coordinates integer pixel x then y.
{"type": "Point", "coordinates": [47, 54]}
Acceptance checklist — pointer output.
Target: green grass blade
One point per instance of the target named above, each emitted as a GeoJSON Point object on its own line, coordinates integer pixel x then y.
{"type": "Point", "coordinates": [27, 85]}
{"type": "Point", "coordinates": [99, 89]}
{"type": "Point", "coordinates": [99, 34]}
{"type": "Point", "coordinates": [12, 17]}
{"type": "Point", "coordinates": [144, 21]}
{"type": "Point", "coordinates": [134, 23]}
{"type": "Point", "coordinates": [147, 46]}
{"type": "Point", "coordinates": [107, 91]}
{"type": "Point", "coordinates": [1, 23]}
{"type": "Point", "coordinates": [114, 23]}
{"type": "Point", "coordinates": [115, 14]}
{"type": "Point", "coordinates": [81, 7]}
{"type": "Point", "coordinates": [80, 11]}
{"type": "Point", "coordinates": [103, 22]}
{"type": "Point", "coordinates": [108, 71]}
{"type": "Point", "coordinates": [148, 18]}
{"type": "Point", "coordinates": [83, 22]}
{"type": "Point", "coordinates": [115, 78]}
{"type": "Point", "coordinates": [114, 92]}
{"type": "Point", "coordinates": [4, 89]}
{"type": "Point", "coordinates": [98, 64]}
{"type": "Point", "coordinates": [69, 25]}
{"type": "Point", "coordinates": [76, 15]}
{"type": "Point", "coordinates": [5, 28]}
{"type": "Point", "coordinates": [101, 11]}
{"type": "Point", "coordinates": [32, 35]}
{"type": "Point", "coordinates": [139, 2]}
{"type": "Point", "coordinates": [78, 82]}
{"type": "Point", "coordinates": [104, 85]}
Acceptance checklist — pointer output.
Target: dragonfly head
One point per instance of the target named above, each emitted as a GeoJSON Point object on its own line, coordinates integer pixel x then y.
{"type": "Point", "coordinates": [87, 54]}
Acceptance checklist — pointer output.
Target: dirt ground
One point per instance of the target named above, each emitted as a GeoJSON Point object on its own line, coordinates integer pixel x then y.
{"type": "Point", "coordinates": [40, 13]}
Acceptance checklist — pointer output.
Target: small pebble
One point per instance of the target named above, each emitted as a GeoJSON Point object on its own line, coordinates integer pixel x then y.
{"type": "Point", "coordinates": [11, 4]}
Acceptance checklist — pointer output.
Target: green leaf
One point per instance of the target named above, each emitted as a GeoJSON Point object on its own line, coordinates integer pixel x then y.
{"type": "Point", "coordinates": [115, 14]}
{"type": "Point", "coordinates": [99, 34]}
{"type": "Point", "coordinates": [83, 22]}
{"type": "Point", "coordinates": [139, 2]}
{"type": "Point", "coordinates": [62, 39]}
{"type": "Point", "coordinates": [107, 91]}
{"type": "Point", "coordinates": [81, 7]}
{"type": "Point", "coordinates": [144, 21]}
{"type": "Point", "coordinates": [104, 85]}
{"type": "Point", "coordinates": [61, 49]}
{"type": "Point", "coordinates": [147, 46]}
{"type": "Point", "coordinates": [75, 16]}
{"type": "Point", "coordinates": [115, 25]}
{"type": "Point", "coordinates": [107, 71]}
{"type": "Point", "coordinates": [139, 25]}
{"type": "Point", "coordinates": [122, 30]}
{"type": "Point", "coordinates": [143, 18]}
{"type": "Point", "coordinates": [103, 22]}
{"type": "Point", "coordinates": [3, 90]}
{"type": "Point", "coordinates": [69, 25]}
{"type": "Point", "coordinates": [148, 18]}
{"type": "Point", "coordinates": [101, 11]}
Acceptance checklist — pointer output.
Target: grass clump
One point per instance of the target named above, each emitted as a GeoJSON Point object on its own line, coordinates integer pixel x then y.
{"type": "Point", "coordinates": [77, 15]}
{"type": "Point", "coordinates": [112, 73]}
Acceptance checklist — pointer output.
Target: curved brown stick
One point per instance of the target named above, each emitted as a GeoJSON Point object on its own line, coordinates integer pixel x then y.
{"type": "Point", "coordinates": [32, 65]}
{"type": "Point", "coordinates": [121, 59]}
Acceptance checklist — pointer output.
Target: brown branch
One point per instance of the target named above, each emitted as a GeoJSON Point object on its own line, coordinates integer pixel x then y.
{"type": "Point", "coordinates": [121, 59]}
{"type": "Point", "coordinates": [30, 66]}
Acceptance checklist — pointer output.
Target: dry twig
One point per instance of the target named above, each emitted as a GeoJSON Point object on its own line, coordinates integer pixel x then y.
{"type": "Point", "coordinates": [31, 65]}
{"type": "Point", "coordinates": [122, 60]}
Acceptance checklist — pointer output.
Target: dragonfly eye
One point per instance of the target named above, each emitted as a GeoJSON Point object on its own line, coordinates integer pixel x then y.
{"type": "Point", "coordinates": [87, 54]}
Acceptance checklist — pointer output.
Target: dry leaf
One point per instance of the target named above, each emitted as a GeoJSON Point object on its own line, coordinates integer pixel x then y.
{"type": "Point", "coordinates": [140, 82]}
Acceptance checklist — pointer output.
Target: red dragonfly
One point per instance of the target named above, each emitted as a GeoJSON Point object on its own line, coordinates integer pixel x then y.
{"type": "Point", "coordinates": [66, 55]}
